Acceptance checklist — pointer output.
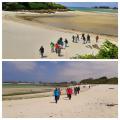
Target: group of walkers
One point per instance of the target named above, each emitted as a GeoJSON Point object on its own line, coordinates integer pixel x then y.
{"type": "Point", "coordinates": [76, 90]}
{"type": "Point", "coordinates": [60, 44]}
{"type": "Point", "coordinates": [55, 47]}
{"type": "Point", "coordinates": [87, 39]}
{"type": "Point", "coordinates": [69, 92]}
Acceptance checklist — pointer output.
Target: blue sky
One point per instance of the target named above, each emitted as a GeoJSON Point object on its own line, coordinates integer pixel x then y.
{"type": "Point", "coordinates": [88, 4]}
{"type": "Point", "coordinates": [57, 71]}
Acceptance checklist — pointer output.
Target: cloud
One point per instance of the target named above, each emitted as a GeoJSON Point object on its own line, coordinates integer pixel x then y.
{"type": "Point", "coordinates": [24, 66]}
{"type": "Point", "coordinates": [58, 71]}
{"type": "Point", "coordinates": [84, 70]}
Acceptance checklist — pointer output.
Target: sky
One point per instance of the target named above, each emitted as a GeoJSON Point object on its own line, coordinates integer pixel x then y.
{"type": "Point", "coordinates": [88, 4]}
{"type": "Point", "coordinates": [59, 71]}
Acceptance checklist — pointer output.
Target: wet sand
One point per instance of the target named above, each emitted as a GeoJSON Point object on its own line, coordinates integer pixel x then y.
{"type": "Point", "coordinates": [22, 38]}
{"type": "Point", "coordinates": [99, 23]}
{"type": "Point", "coordinates": [100, 101]}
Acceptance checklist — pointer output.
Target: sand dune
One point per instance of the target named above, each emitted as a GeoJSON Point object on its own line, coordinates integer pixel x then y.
{"type": "Point", "coordinates": [22, 39]}
{"type": "Point", "coordinates": [99, 101]}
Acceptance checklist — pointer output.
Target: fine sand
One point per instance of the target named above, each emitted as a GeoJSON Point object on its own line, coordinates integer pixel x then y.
{"type": "Point", "coordinates": [24, 33]}
{"type": "Point", "coordinates": [99, 101]}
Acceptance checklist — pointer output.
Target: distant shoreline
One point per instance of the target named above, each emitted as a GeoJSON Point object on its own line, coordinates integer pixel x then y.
{"type": "Point", "coordinates": [96, 10]}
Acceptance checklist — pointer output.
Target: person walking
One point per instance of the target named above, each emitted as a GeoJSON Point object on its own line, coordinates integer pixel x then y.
{"type": "Point", "coordinates": [56, 95]}
{"type": "Point", "coordinates": [73, 37]}
{"type": "Point", "coordinates": [77, 37]}
{"type": "Point", "coordinates": [83, 35]}
{"type": "Point", "coordinates": [88, 38]}
{"type": "Point", "coordinates": [41, 50]}
{"type": "Point", "coordinates": [84, 40]}
{"type": "Point", "coordinates": [59, 93]}
{"type": "Point", "coordinates": [78, 89]}
{"type": "Point", "coordinates": [60, 42]}
{"type": "Point", "coordinates": [75, 91]}
{"type": "Point", "coordinates": [66, 42]}
{"type": "Point", "coordinates": [52, 46]}
{"type": "Point", "coordinates": [59, 51]}
{"type": "Point", "coordinates": [70, 91]}
{"type": "Point", "coordinates": [67, 92]}
{"type": "Point", "coordinates": [97, 37]}
{"type": "Point", "coordinates": [56, 47]}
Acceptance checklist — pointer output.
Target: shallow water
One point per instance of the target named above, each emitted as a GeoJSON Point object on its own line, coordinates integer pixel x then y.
{"type": "Point", "coordinates": [94, 10]}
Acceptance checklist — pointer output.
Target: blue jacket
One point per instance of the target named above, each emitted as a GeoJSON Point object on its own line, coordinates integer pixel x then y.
{"type": "Point", "coordinates": [56, 93]}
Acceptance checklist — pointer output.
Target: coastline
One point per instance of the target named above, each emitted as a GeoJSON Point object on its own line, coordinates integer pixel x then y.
{"type": "Point", "coordinates": [49, 20]}
{"type": "Point", "coordinates": [93, 103]}
{"type": "Point", "coordinates": [9, 94]}
{"type": "Point", "coordinates": [34, 34]}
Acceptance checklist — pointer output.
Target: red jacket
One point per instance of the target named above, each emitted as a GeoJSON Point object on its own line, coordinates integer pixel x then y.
{"type": "Point", "coordinates": [56, 45]}
{"type": "Point", "coordinates": [69, 91]}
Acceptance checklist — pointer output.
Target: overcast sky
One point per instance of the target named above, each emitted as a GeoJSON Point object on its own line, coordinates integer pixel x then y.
{"type": "Point", "coordinates": [88, 4]}
{"type": "Point", "coordinates": [57, 71]}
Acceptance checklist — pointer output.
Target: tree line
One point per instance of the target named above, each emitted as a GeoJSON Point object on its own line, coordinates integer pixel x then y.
{"type": "Point", "coordinates": [13, 6]}
{"type": "Point", "coordinates": [102, 80]}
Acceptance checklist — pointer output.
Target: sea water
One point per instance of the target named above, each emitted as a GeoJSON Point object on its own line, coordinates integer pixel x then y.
{"type": "Point", "coordinates": [101, 10]}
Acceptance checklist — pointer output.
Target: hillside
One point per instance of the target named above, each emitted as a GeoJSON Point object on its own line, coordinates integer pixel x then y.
{"type": "Point", "coordinates": [14, 6]}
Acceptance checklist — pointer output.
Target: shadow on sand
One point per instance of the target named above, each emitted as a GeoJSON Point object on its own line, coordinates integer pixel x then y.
{"type": "Point", "coordinates": [61, 55]}
{"type": "Point", "coordinates": [96, 46]}
{"type": "Point", "coordinates": [89, 46]}
{"type": "Point", "coordinates": [44, 57]}
{"type": "Point", "coordinates": [52, 102]}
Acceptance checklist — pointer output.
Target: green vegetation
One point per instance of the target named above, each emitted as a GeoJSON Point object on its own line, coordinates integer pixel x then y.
{"type": "Point", "coordinates": [102, 80]}
{"type": "Point", "coordinates": [107, 51]}
{"type": "Point", "coordinates": [13, 6]}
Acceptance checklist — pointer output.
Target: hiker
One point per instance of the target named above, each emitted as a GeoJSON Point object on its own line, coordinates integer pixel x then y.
{"type": "Point", "coordinates": [97, 37]}
{"type": "Point", "coordinates": [88, 38]}
{"type": "Point", "coordinates": [84, 40]}
{"type": "Point", "coordinates": [60, 42]}
{"type": "Point", "coordinates": [78, 89]}
{"type": "Point", "coordinates": [75, 91]}
{"type": "Point", "coordinates": [77, 37]}
{"type": "Point", "coordinates": [66, 42]}
{"type": "Point", "coordinates": [83, 35]}
{"type": "Point", "coordinates": [67, 92]}
{"type": "Point", "coordinates": [59, 51]}
{"type": "Point", "coordinates": [52, 46]}
{"type": "Point", "coordinates": [56, 94]}
{"type": "Point", "coordinates": [59, 93]}
{"type": "Point", "coordinates": [73, 37]}
{"type": "Point", "coordinates": [41, 50]}
{"type": "Point", "coordinates": [70, 93]}
{"type": "Point", "coordinates": [89, 86]}
{"type": "Point", "coordinates": [56, 47]}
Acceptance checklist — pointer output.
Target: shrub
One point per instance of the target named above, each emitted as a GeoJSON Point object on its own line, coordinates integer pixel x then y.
{"type": "Point", "coordinates": [107, 51]}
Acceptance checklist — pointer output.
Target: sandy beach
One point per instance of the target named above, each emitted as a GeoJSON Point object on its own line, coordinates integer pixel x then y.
{"type": "Point", "coordinates": [24, 33]}
{"type": "Point", "coordinates": [100, 101]}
